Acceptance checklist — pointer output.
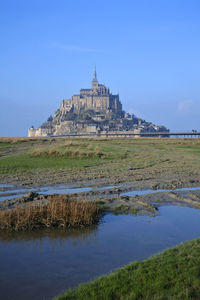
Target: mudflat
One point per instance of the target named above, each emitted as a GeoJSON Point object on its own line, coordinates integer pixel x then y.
{"type": "Point", "coordinates": [125, 164]}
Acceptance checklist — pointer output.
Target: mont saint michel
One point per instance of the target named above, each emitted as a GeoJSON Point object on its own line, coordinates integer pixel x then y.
{"type": "Point", "coordinates": [97, 195]}
{"type": "Point", "coordinates": [93, 111]}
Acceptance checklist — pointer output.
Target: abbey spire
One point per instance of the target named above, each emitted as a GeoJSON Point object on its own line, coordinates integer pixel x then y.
{"type": "Point", "coordinates": [94, 81]}
{"type": "Point", "coordinates": [95, 74]}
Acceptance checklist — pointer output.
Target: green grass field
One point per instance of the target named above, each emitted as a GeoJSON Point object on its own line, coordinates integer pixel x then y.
{"type": "Point", "coordinates": [23, 162]}
{"type": "Point", "coordinates": [39, 156]}
{"type": "Point", "coordinates": [28, 155]}
{"type": "Point", "coordinates": [172, 274]}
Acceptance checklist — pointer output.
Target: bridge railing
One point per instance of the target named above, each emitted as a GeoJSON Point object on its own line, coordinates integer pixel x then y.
{"type": "Point", "coordinates": [132, 134]}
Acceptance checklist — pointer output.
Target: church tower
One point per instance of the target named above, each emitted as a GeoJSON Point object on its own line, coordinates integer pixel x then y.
{"type": "Point", "coordinates": [94, 81]}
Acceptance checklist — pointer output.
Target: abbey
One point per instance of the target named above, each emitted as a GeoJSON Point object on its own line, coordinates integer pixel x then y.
{"type": "Point", "coordinates": [98, 99]}
{"type": "Point", "coordinates": [93, 111]}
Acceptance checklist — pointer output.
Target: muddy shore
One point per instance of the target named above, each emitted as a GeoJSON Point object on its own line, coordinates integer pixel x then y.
{"type": "Point", "coordinates": [153, 178]}
{"type": "Point", "coordinates": [112, 199]}
{"type": "Point", "coordinates": [115, 200]}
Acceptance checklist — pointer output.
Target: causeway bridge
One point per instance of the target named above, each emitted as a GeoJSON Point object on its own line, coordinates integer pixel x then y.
{"type": "Point", "coordinates": [128, 134]}
{"type": "Point", "coordinates": [156, 134]}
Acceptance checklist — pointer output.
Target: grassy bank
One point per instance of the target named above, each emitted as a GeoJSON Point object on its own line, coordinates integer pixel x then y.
{"type": "Point", "coordinates": [172, 274]}
{"type": "Point", "coordinates": [59, 211]}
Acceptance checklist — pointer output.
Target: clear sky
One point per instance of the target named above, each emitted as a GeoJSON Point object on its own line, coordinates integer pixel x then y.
{"type": "Point", "coordinates": [148, 51]}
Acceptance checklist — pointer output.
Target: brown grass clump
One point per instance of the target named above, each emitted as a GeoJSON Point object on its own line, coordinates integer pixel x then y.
{"type": "Point", "coordinates": [77, 153]}
{"type": "Point", "coordinates": [40, 152]}
{"type": "Point", "coordinates": [71, 144]}
{"type": "Point", "coordinates": [60, 211]}
{"type": "Point", "coordinates": [90, 147]}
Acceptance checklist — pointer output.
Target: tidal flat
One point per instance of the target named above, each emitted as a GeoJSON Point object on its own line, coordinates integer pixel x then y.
{"type": "Point", "coordinates": [112, 172]}
{"type": "Point", "coordinates": [144, 163]}
{"type": "Point", "coordinates": [138, 182]}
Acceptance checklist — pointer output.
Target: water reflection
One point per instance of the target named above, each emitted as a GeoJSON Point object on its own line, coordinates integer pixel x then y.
{"type": "Point", "coordinates": [56, 239]}
{"type": "Point", "coordinates": [42, 264]}
{"type": "Point", "coordinates": [148, 191]}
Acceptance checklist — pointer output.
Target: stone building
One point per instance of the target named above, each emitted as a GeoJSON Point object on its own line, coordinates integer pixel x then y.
{"type": "Point", "coordinates": [94, 110]}
{"type": "Point", "coordinates": [98, 99]}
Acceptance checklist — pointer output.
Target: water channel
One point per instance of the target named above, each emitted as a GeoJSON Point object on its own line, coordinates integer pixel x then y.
{"type": "Point", "coordinates": [8, 192]}
{"type": "Point", "coordinates": [42, 264]}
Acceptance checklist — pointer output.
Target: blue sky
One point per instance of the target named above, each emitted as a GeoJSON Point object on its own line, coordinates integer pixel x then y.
{"type": "Point", "coordinates": [148, 51]}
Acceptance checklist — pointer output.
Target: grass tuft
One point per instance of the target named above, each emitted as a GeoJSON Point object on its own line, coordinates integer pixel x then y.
{"type": "Point", "coordinates": [60, 211]}
{"type": "Point", "coordinates": [75, 153]}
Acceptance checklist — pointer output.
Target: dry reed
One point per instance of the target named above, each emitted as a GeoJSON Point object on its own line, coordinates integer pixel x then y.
{"type": "Point", "coordinates": [60, 211]}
